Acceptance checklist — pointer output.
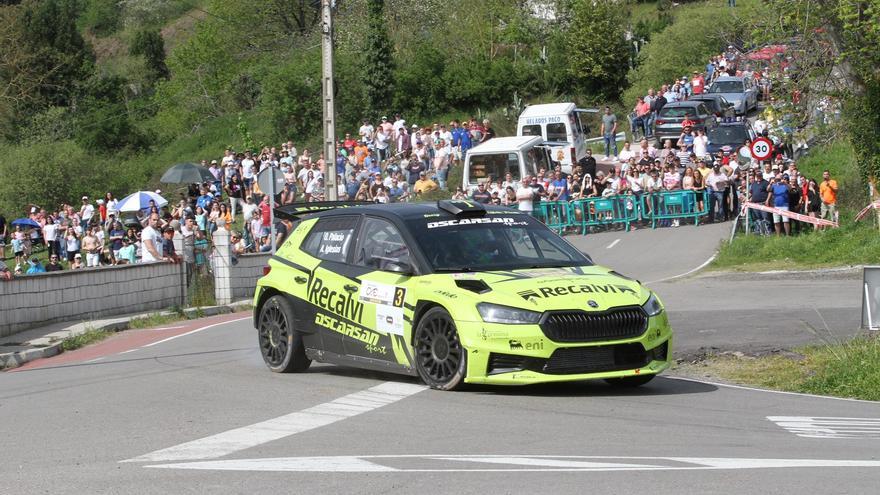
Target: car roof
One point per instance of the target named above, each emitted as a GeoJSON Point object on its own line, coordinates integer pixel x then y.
{"type": "Point", "coordinates": [403, 211]}
{"type": "Point", "coordinates": [678, 104]}
{"type": "Point", "coordinates": [547, 109]}
{"type": "Point", "coordinates": [728, 78]}
{"type": "Point", "coordinates": [500, 144]}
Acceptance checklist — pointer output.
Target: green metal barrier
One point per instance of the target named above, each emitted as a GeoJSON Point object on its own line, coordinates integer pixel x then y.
{"type": "Point", "coordinates": [610, 210]}
{"type": "Point", "coordinates": [671, 205]}
{"type": "Point", "coordinates": [554, 214]}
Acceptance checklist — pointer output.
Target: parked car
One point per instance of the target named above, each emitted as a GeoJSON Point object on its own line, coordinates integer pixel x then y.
{"type": "Point", "coordinates": [741, 91]}
{"type": "Point", "coordinates": [668, 123]}
{"type": "Point", "coordinates": [729, 136]}
{"type": "Point", "coordinates": [716, 104]}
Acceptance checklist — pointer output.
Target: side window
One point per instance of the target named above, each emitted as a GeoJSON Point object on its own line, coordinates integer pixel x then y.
{"type": "Point", "coordinates": [531, 130]}
{"type": "Point", "coordinates": [522, 244]}
{"type": "Point", "coordinates": [381, 245]}
{"type": "Point", "coordinates": [331, 238]}
{"type": "Point", "coordinates": [557, 132]}
{"type": "Point", "coordinates": [548, 250]}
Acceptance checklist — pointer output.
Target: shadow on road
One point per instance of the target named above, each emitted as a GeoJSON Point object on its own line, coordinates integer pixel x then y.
{"type": "Point", "coordinates": [660, 386]}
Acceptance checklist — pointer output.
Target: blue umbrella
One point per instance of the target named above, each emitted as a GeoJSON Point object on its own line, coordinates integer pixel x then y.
{"type": "Point", "coordinates": [140, 201]}
{"type": "Point", "coordinates": [25, 222]}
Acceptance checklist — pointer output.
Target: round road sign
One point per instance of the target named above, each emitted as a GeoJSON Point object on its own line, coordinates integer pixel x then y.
{"type": "Point", "coordinates": [762, 148]}
{"type": "Point", "coordinates": [267, 177]}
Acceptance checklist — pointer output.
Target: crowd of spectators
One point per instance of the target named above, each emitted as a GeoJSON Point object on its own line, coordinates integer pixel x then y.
{"type": "Point", "coordinates": [719, 180]}
{"type": "Point", "coordinates": [388, 162]}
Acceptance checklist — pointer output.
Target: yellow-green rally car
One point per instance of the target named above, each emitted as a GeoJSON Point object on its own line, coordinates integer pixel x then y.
{"type": "Point", "coordinates": [454, 292]}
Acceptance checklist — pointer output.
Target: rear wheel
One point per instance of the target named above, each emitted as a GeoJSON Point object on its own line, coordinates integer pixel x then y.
{"type": "Point", "coordinates": [630, 381]}
{"type": "Point", "coordinates": [280, 344]}
{"type": "Point", "coordinates": [440, 359]}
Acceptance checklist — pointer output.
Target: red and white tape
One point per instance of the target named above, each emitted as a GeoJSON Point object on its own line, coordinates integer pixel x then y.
{"type": "Point", "coordinates": [790, 214]}
{"type": "Point", "coordinates": [862, 214]}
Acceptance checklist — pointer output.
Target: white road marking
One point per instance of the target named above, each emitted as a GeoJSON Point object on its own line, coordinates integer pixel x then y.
{"type": "Point", "coordinates": [166, 328]}
{"type": "Point", "coordinates": [130, 350]}
{"type": "Point", "coordinates": [613, 244]}
{"type": "Point", "coordinates": [685, 274]}
{"type": "Point", "coordinates": [513, 463]}
{"type": "Point", "coordinates": [94, 360]}
{"type": "Point", "coordinates": [246, 437]}
{"type": "Point", "coordinates": [829, 427]}
{"type": "Point", "coordinates": [194, 331]}
{"type": "Point", "coordinates": [753, 389]}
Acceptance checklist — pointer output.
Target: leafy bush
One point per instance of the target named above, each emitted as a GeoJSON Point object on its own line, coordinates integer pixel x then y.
{"type": "Point", "coordinates": [292, 97]}
{"type": "Point", "coordinates": [682, 47]}
{"type": "Point", "coordinates": [101, 17]}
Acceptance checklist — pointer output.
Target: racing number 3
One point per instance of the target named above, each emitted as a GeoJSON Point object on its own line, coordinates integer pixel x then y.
{"type": "Point", "coordinates": [399, 293]}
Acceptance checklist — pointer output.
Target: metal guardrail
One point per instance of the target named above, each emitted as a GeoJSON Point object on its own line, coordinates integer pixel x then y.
{"type": "Point", "coordinates": [621, 136]}
{"type": "Point", "coordinates": [672, 205]}
{"type": "Point", "coordinates": [621, 209]}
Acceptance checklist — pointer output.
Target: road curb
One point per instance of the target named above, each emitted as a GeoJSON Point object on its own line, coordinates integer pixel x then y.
{"type": "Point", "coordinates": [53, 346]}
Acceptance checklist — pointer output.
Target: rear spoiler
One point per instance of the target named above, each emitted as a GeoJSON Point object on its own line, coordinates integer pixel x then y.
{"type": "Point", "coordinates": [294, 211]}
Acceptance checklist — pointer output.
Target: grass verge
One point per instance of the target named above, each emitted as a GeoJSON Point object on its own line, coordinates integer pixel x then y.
{"type": "Point", "coordinates": [90, 336]}
{"type": "Point", "coordinates": [850, 244]}
{"type": "Point", "coordinates": [850, 369]}
{"type": "Point", "coordinates": [155, 320]}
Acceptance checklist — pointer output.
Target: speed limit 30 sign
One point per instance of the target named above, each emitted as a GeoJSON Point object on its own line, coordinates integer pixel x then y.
{"type": "Point", "coordinates": [762, 148]}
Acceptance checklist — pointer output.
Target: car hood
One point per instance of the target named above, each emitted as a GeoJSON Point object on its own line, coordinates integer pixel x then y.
{"type": "Point", "coordinates": [591, 288]}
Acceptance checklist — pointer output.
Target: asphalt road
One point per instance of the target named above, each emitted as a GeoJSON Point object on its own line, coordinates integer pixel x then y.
{"type": "Point", "coordinates": [193, 409]}
{"type": "Point", "coordinates": [714, 311]}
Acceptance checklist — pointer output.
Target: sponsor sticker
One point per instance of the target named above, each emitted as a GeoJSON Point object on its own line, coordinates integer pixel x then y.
{"type": "Point", "coordinates": [389, 319]}
{"type": "Point", "coordinates": [384, 294]}
{"type": "Point", "coordinates": [508, 221]}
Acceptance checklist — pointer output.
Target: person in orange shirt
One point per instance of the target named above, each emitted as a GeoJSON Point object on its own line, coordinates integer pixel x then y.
{"type": "Point", "coordinates": [360, 152]}
{"type": "Point", "coordinates": [828, 193]}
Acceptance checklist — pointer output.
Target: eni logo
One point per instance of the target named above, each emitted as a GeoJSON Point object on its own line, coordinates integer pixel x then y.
{"type": "Point", "coordinates": [592, 303]}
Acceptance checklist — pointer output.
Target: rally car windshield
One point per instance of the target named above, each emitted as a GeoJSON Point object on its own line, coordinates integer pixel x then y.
{"type": "Point", "coordinates": [494, 242]}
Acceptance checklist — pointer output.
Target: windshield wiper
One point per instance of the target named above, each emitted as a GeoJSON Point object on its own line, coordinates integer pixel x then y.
{"type": "Point", "coordinates": [455, 269]}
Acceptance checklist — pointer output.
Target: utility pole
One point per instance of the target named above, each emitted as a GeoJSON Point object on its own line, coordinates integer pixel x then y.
{"type": "Point", "coordinates": [329, 107]}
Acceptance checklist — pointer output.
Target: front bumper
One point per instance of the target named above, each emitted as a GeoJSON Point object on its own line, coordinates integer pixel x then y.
{"type": "Point", "coordinates": [522, 354]}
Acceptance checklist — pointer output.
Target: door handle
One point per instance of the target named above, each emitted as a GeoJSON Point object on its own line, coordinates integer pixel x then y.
{"type": "Point", "coordinates": [350, 287]}
{"type": "Point", "coordinates": [300, 280]}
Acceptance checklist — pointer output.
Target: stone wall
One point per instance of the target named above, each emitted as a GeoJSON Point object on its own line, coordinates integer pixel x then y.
{"type": "Point", "coordinates": [243, 275]}
{"type": "Point", "coordinates": [37, 300]}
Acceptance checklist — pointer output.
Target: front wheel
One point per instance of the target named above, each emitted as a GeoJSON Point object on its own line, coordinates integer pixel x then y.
{"type": "Point", "coordinates": [281, 345]}
{"type": "Point", "coordinates": [630, 381]}
{"type": "Point", "coordinates": [440, 359]}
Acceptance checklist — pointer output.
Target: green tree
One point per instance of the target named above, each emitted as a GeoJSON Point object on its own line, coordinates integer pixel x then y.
{"type": "Point", "coordinates": [149, 43]}
{"type": "Point", "coordinates": [379, 69]}
{"type": "Point", "coordinates": [49, 33]}
{"type": "Point", "coordinates": [599, 50]}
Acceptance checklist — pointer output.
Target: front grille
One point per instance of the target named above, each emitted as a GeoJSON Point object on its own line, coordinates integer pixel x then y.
{"type": "Point", "coordinates": [573, 360]}
{"type": "Point", "coordinates": [581, 326]}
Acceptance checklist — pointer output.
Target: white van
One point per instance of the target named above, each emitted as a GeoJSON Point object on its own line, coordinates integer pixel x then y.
{"type": "Point", "coordinates": [497, 157]}
{"type": "Point", "coordinates": [564, 128]}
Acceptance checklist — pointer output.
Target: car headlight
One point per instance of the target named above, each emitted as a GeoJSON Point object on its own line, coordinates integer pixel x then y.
{"type": "Point", "coordinates": [493, 313]}
{"type": "Point", "coordinates": [653, 306]}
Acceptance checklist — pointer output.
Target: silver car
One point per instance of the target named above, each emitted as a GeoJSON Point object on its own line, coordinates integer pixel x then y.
{"type": "Point", "coordinates": [741, 91]}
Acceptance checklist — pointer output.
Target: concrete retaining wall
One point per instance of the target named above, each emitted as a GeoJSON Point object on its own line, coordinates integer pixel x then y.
{"type": "Point", "coordinates": [244, 274]}
{"type": "Point", "coordinates": [36, 300]}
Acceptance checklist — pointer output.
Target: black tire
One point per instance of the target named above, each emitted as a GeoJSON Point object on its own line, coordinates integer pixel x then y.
{"type": "Point", "coordinates": [440, 359]}
{"type": "Point", "coordinates": [280, 344]}
{"type": "Point", "coordinates": [630, 381]}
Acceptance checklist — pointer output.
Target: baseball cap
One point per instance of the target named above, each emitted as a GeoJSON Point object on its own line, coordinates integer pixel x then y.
{"type": "Point", "coordinates": [78, 256]}
{"type": "Point", "coordinates": [85, 197]}
{"type": "Point", "coordinates": [213, 162]}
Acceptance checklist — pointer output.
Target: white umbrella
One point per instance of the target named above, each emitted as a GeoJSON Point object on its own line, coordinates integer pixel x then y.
{"type": "Point", "coordinates": [140, 201]}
